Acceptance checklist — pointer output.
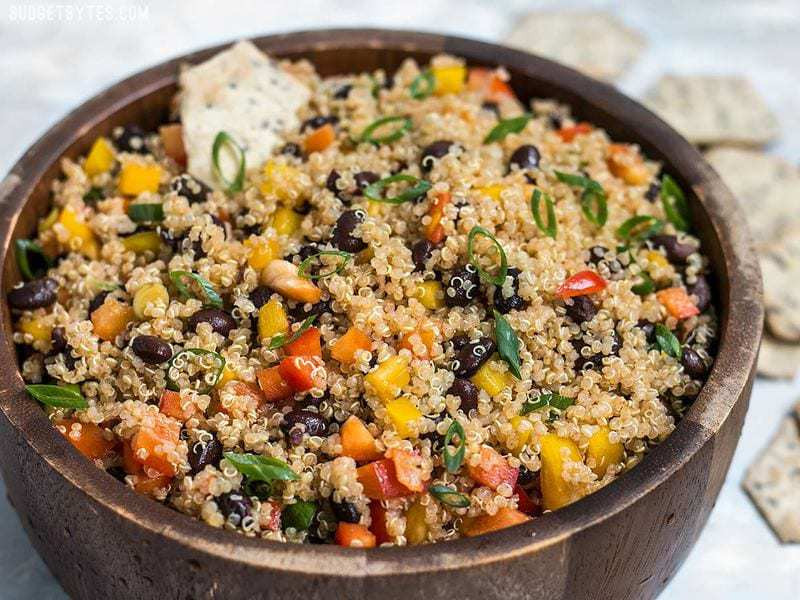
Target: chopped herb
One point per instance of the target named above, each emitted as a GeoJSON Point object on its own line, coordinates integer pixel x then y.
{"type": "Point", "coordinates": [94, 195]}
{"type": "Point", "coordinates": [549, 229]}
{"type": "Point", "coordinates": [224, 139]}
{"type": "Point", "coordinates": [639, 228]}
{"type": "Point", "coordinates": [280, 339]}
{"type": "Point", "coordinates": [31, 259]}
{"type": "Point", "coordinates": [506, 126]}
{"type": "Point", "coordinates": [299, 515]}
{"type": "Point", "coordinates": [261, 468]}
{"type": "Point", "coordinates": [507, 343]}
{"type": "Point", "coordinates": [674, 203]}
{"type": "Point", "coordinates": [667, 342]}
{"type": "Point", "coordinates": [344, 258]}
{"type": "Point", "coordinates": [647, 286]}
{"type": "Point", "coordinates": [500, 277]}
{"type": "Point", "coordinates": [398, 132]}
{"type": "Point", "coordinates": [58, 396]}
{"type": "Point", "coordinates": [374, 191]}
{"type": "Point", "coordinates": [146, 213]}
{"type": "Point", "coordinates": [209, 294]}
{"type": "Point", "coordinates": [594, 203]}
{"type": "Point", "coordinates": [174, 362]}
{"type": "Point", "coordinates": [449, 496]}
{"type": "Point", "coordinates": [453, 461]}
{"type": "Point", "coordinates": [423, 85]}
{"type": "Point", "coordinates": [552, 400]}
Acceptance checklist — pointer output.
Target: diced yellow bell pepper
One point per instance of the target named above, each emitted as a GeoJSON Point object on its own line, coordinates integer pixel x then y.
{"type": "Point", "coordinates": [261, 252]}
{"type": "Point", "coordinates": [228, 374]}
{"type": "Point", "coordinates": [402, 413]}
{"type": "Point", "coordinates": [272, 320]}
{"type": "Point", "coordinates": [278, 181]}
{"type": "Point", "coordinates": [416, 524]}
{"type": "Point", "coordinates": [491, 191]}
{"type": "Point", "coordinates": [556, 491]}
{"type": "Point", "coordinates": [492, 378]}
{"type": "Point", "coordinates": [142, 241]}
{"type": "Point", "coordinates": [135, 178]}
{"type": "Point", "coordinates": [150, 294]}
{"type": "Point", "coordinates": [431, 295]}
{"type": "Point", "coordinates": [48, 222]}
{"type": "Point", "coordinates": [449, 80]}
{"type": "Point", "coordinates": [36, 328]}
{"type": "Point", "coordinates": [602, 452]}
{"type": "Point", "coordinates": [523, 432]}
{"type": "Point", "coordinates": [79, 230]}
{"type": "Point", "coordinates": [389, 377]}
{"type": "Point", "coordinates": [654, 257]}
{"type": "Point", "coordinates": [285, 221]}
{"type": "Point", "coordinates": [374, 208]}
{"type": "Point", "coordinates": [100, 158]}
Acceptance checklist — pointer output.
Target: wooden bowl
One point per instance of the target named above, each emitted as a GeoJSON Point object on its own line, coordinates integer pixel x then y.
{"type": "Point", "coordinates": [101, 539]}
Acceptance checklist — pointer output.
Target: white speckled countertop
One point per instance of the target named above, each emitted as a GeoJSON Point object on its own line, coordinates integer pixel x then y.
{"type": "Point", "coordinates": [52, 62]}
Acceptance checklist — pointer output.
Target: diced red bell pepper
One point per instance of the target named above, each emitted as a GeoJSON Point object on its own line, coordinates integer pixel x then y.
{"type": "Point", "coordinates": [408, 467]}
{"type": "Point", "coordinates": [493, 470]}
{"type": "Point", "coordinates": [581, 284]}
{"type": "Point", "coordinates": [306, 344]}
{"type": "Point", "coordinates": [434, 231]}
{"type": "Point", "coordinates": [380, 482]}
{"type": "Point", "coordinates": [171, 405]}
{"type": "Point", "coordinates": [296, 371]}
{"type": "Point", "coordinates": [526, 503]}
{"type": "Point", "coordinates": [489, 84]}
{"type": "Point", "coordinates": [353, 535]}
{"type": "Point", "coordinates": [677, 302]}
{"type": "Point", "coordinates": [568, 134]}
{"type": "Point", "coordinates": [274, 516]}
{"type": "Point", "coordinates": [505, 517]}
{"type": "Point", "coordinates": [273, 385]}
{"type": "Point", "coordinates": [156, 443]}
{"type": "Point", "coordinates": [378, 515]}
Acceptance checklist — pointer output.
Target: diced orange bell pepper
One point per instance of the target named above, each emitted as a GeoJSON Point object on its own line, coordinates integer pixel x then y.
{"type": "Point", "coordinates": [154, 444]}
{"type": "Point", "coordinates": [626, 164]}
{"type": "Point", "coordinates": [250, 390]}
{"type": "Point", "coordinates": [505, 517]}
{"type": "Point", "coordinates": [357, 441]}
{"type": "Point", "coordinates": [344, 349]}
{"type": "Point", "coordinates": [319, 139]}
{"type": "Point", "coordinates": [110, 319]}
{"type": "Point", "coordinates": [353, 535]}
{"type": "Point", "coordinates": [89, 439]}
{"type": "Point", "coordinates": [489, 83]}
{"type": "Point", "coordinates": [677, 302]}
{"type": "Point", "coordinates": [129, 462]}
{"type": "Point", "coordinates": [273, 385]}
{"type": "Point", "coordinates": [408, 468]}
{"type": "Point", "coordinates": [581, 284]}
{"type": "Point", "coordinates": [149, 486]}
{"type": "Point", "coordinates": [493, 470]}
{"type": "Point", "coordinates": [377, 514]}
{"type": "Point", "coordinates": [172, 140]}
{"type": "Point", "coordinates": [434, 231]}
{"type": "Point", "coordinates": [525, 503]}
{"type": "Point", "coordinates": [427, 336]}
{"type": "Point", "coordinates": [380, 482]}
{"type": "Point", "coordinates": [297, 370]}
{"type": "Point", "coordinates": [171, 405]}
{"type": "Point", "coordinates": [568, 134]}
{"type": "Point", "coordinates": [307, 344]}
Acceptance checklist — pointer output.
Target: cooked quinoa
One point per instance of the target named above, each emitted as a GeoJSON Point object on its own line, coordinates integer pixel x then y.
{"type": "Point", "coordinates": [477, 392]}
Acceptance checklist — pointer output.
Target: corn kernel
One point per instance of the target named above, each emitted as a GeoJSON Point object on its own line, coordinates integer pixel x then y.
{"type": "Point", "coordinates": [279, 181]}
{"type": "Point", "coordinates": [261, 252]}
{"type": "Point", "coordinates": [556, 491]}
{"type": "Point", "coordinates": [522, 431]}
{"type": "Point", "coordinates": [135, 178]}
{"type": "Point", "coordinates": [402, 413]}
{"type": "Point", "coordinates": [285, 221]}
{"type": "Point", "coordinates": [228, 374]}
{"type": "Point", "coordinates": [389, 377]}
{"type": "Point", "coordinates": [602, 452]}
{"type": "Point", "coordinates": [150, 294]}
{"type": "Point", "coordinates": [272, 320]}
{"type": "Point", "coordinates": [491, 378]}
{"type": "Point", "coordinates": [654, 257]}
{"type": "Point", "coordinates": [449, 80]}
{"type": "Point", "coordinates": [79, 230]}
{"type": "Point", "coordinates": [416, 524]}
{"type": "Point", "coordinates": [36, 328]}
{"type": "Point", "coordinates": [142, 241]}
{"type": "Point", "coordinates": [491, 191]}
{"type": "Point", "coordinates": [431, 294]}
{"type": "Point", "coordinates": [99, 159]}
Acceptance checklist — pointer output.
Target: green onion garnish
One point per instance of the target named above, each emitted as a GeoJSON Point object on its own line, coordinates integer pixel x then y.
{"type": "Point", "coordinates": [639, 228]}
{"type": "Point", "coordinates": [344, 258]}
{"type": "Point", "coordinates": [299, 515]}
{"type": "Point", "coordinates": [506, 126]}
{"type": "Point", "coordinates": [453, 461]}
{"type": "Point", "coordinates": [548, 229]}
{"type": "Point", "coordinates": [280, 339]}
{"type": "Point", "coordinates": [674, 202]}
{"type": "Point", "coordinates": [374, 191]}
{"type": "Point", "coordinates": [58, 396]}
{"type": "Point", "coordinates": [667, 342]}
{"type": "Point", "coordinates": [210, 295]}
{"type": "Point", "coordinates": [393, 136]}
{"type": "Point", "coordinates": [552, 400]}
{"type": "Point", "coordinates": [449, 496]}
{"type": "Point", "coordinates": [485, 275]}
{"type": "Point", "coordinates": [31, 259]}
{"type": "Point", "coordinates": [507, 343]}
{"type": "Point", "coordinates": [224, 139]}
{"type": "Point", "coordinates": [261, 468]}
{"type": "Point", "coordinates": [220, 360]}
{"type": "Point", "coordinates": [94, 195]}
{"type": "Point", "coordinates": [423, 85]}
{"type": "Point", "coordinates": [647, 286]}
{"type": "Point", "coordinates": [594, 203]}
{"type": "Point", "coordinates": [146, 213]}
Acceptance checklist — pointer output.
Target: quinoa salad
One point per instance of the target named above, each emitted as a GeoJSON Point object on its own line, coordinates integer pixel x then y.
{"type": "Point", "coordinates": [381, 308]}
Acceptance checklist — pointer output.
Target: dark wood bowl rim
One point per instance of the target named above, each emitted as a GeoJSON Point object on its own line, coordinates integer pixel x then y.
{"type": "Point", "coordinates": [741, 331]}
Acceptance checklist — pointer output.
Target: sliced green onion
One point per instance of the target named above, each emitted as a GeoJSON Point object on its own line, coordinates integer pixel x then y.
{"type": "Point", "coordinates": [594, 203]}
{"type": "Point", "coordinates": [146, 213]}
{"type": "Point", "coordinates": [549, 229]}
{"type": "Point", "coordinates": [639, 228]}
{"type": "Point", "coordinates": [280, 339]}
{"type": "Point", "coordinates": [173, 385]}
{"type": "Point", "coordinates": [224, 139]}
{"type": "Point", "coordinates": [453, 461]}
{"type": "Point", "coordinates": [299, 515]}
{"type": "Point", "coordinates": [674, 202]}
{"type": "Point", "coordinates": [647, 286]}
{"type": "Point", "coordinates": [667, 342]}
{"type": "Point", "coordinates": [31, 259]}
{"type": "Point", "coordinates": [552, 400]}
{"type": "Point", "coordinates": [210, 295]}
{"type": "Point", "coordinates": [374, 191]}
{"type": "Point", "coordinates": [393, 136]}
{"type": "Point", "coordinates": [94, 195]}
{"type": "Point", "coordinates": [485, 275]}
{"type": "Point", "coordinates": [345, 257]}
{"type": "Point", "coordinates": [58, 396]}
{"type": "Point", "coordinates": [423, 85]}
{"type": "Point", "coordinates": [576, 180]}
{"type": "Point", "coordinates": [449, 496]}
{"type": "Point", "coordinates": [261, 468]}
{"type": "Point", "coordinates": [507, 343]}
{"type": "Point", "coordinates": [506, 126]}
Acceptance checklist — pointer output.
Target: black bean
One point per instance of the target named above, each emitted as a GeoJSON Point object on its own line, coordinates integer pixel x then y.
{"type": "Point", "coordinates": [291, 149]}
{"type": "Point", "coordinates": [343, 92]}
{"type": "Point", "coordinates": [170, 239]}
{"type": "Point", "coordinates": [693, 365]}
{"type": "Point", "coordinates": [305, 208]}
{"type": "Point", "coordinates": [235, 507]}
{"type": "Point", "coordinates": [491, 107]}
{"type": "Point", "coordinates": [318, 121]}
{"type": "Point", "coordinates": [462, 287]}
{"type": "Point", "coordinates": [676, 252]}
{"type": "Point", "coordinates": [649, 330]}
{"type": "Point", "coordinates": [330, 182]}
{"type": "Point", "coordinates": [206, 452]}
{"type": "Point", "coordinates": [433, 151]}
{"type": "Point", "coordinates": [260, 296]}
{"type": "Point", "coordinates": [151, 349]}
{"type": "Point", "coordinates": [467, 392]}
{"type": "Point", "coordinates": [526, 477]}
{"type": "Point", "coordinates": [117, 473]}
{"type": "Point", "coordinates": [363, 179]}
{"type": "Point", "coordinates": [458, 341]}
{"type": "Point", "coordinates": [38, 293]}
{"type": "Point", "coordinates": [97, 301]}
{"type": "Point", "coordinates": [555, 120]}
{"type": "Point", "coordinates": [505, 304]}
{"type": "Point", "coordinates": [653, 191]}
{"type": "Point", "coordinates": [472, 357]}
{"type": "Point", "coordinates": [192, 189]}
{"type": "Point", "coordinates": [342, 236]}
{"type": "Point", "coordinates": [130, 138]}
{"type": "Point", "coordinates": [592, 362]}
{"type": "Point", "coordinates": [306, 251]}
{"type": "Point", "coordinates": [581, 309]}
{"type": "Point", "coordinates": [312, 423]}
{"type": "Point", "coordinates": [702, 291]}
{"type": "Point", "coordinates": [221, 322]}
{"type": "Point", "coordinates": [420, 253]}
{"type": "Point", "coordinates": [346, 511]}
{"type": "Point", "coordinates": [616, 344]}
{"type": "Point", "coordinates": [302, 311]}
{"type": "Point", "coordinates": [58, 340]}
{"type": "Point", "coordinates": [525, 157]}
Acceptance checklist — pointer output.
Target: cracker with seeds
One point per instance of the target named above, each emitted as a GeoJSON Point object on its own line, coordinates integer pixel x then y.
{"type": "Point", "coordinates": [773, 482]}
{"type": "Point", "coordinates": [243, 92]}
{"type": "Point", "coordinates": [780, 268]}
{"type": "Point", "coordinates": [713, 109]}
{"type": "Point", "coordinates": [594, 43]}
{"type": "Point", "coordinates": [778, 360]}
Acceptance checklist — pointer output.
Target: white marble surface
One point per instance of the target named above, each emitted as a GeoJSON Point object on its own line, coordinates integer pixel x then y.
{"type": "Point", "coordinates": [53, 62]}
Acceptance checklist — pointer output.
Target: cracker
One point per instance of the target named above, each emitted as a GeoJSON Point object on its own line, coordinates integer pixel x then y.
{"type": "Point", "coordinates": [773, 482]}
{"type": "Point", "coordinates": [713, 110]}
{"type": "Point", "coordinates": [594, 43]}
{"type": "Point", "coordinates": [778, 360]}
{"type": "Point", "coordinates": [780, 268]}
{"type": "Point", "coordinates": [243, 92]}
